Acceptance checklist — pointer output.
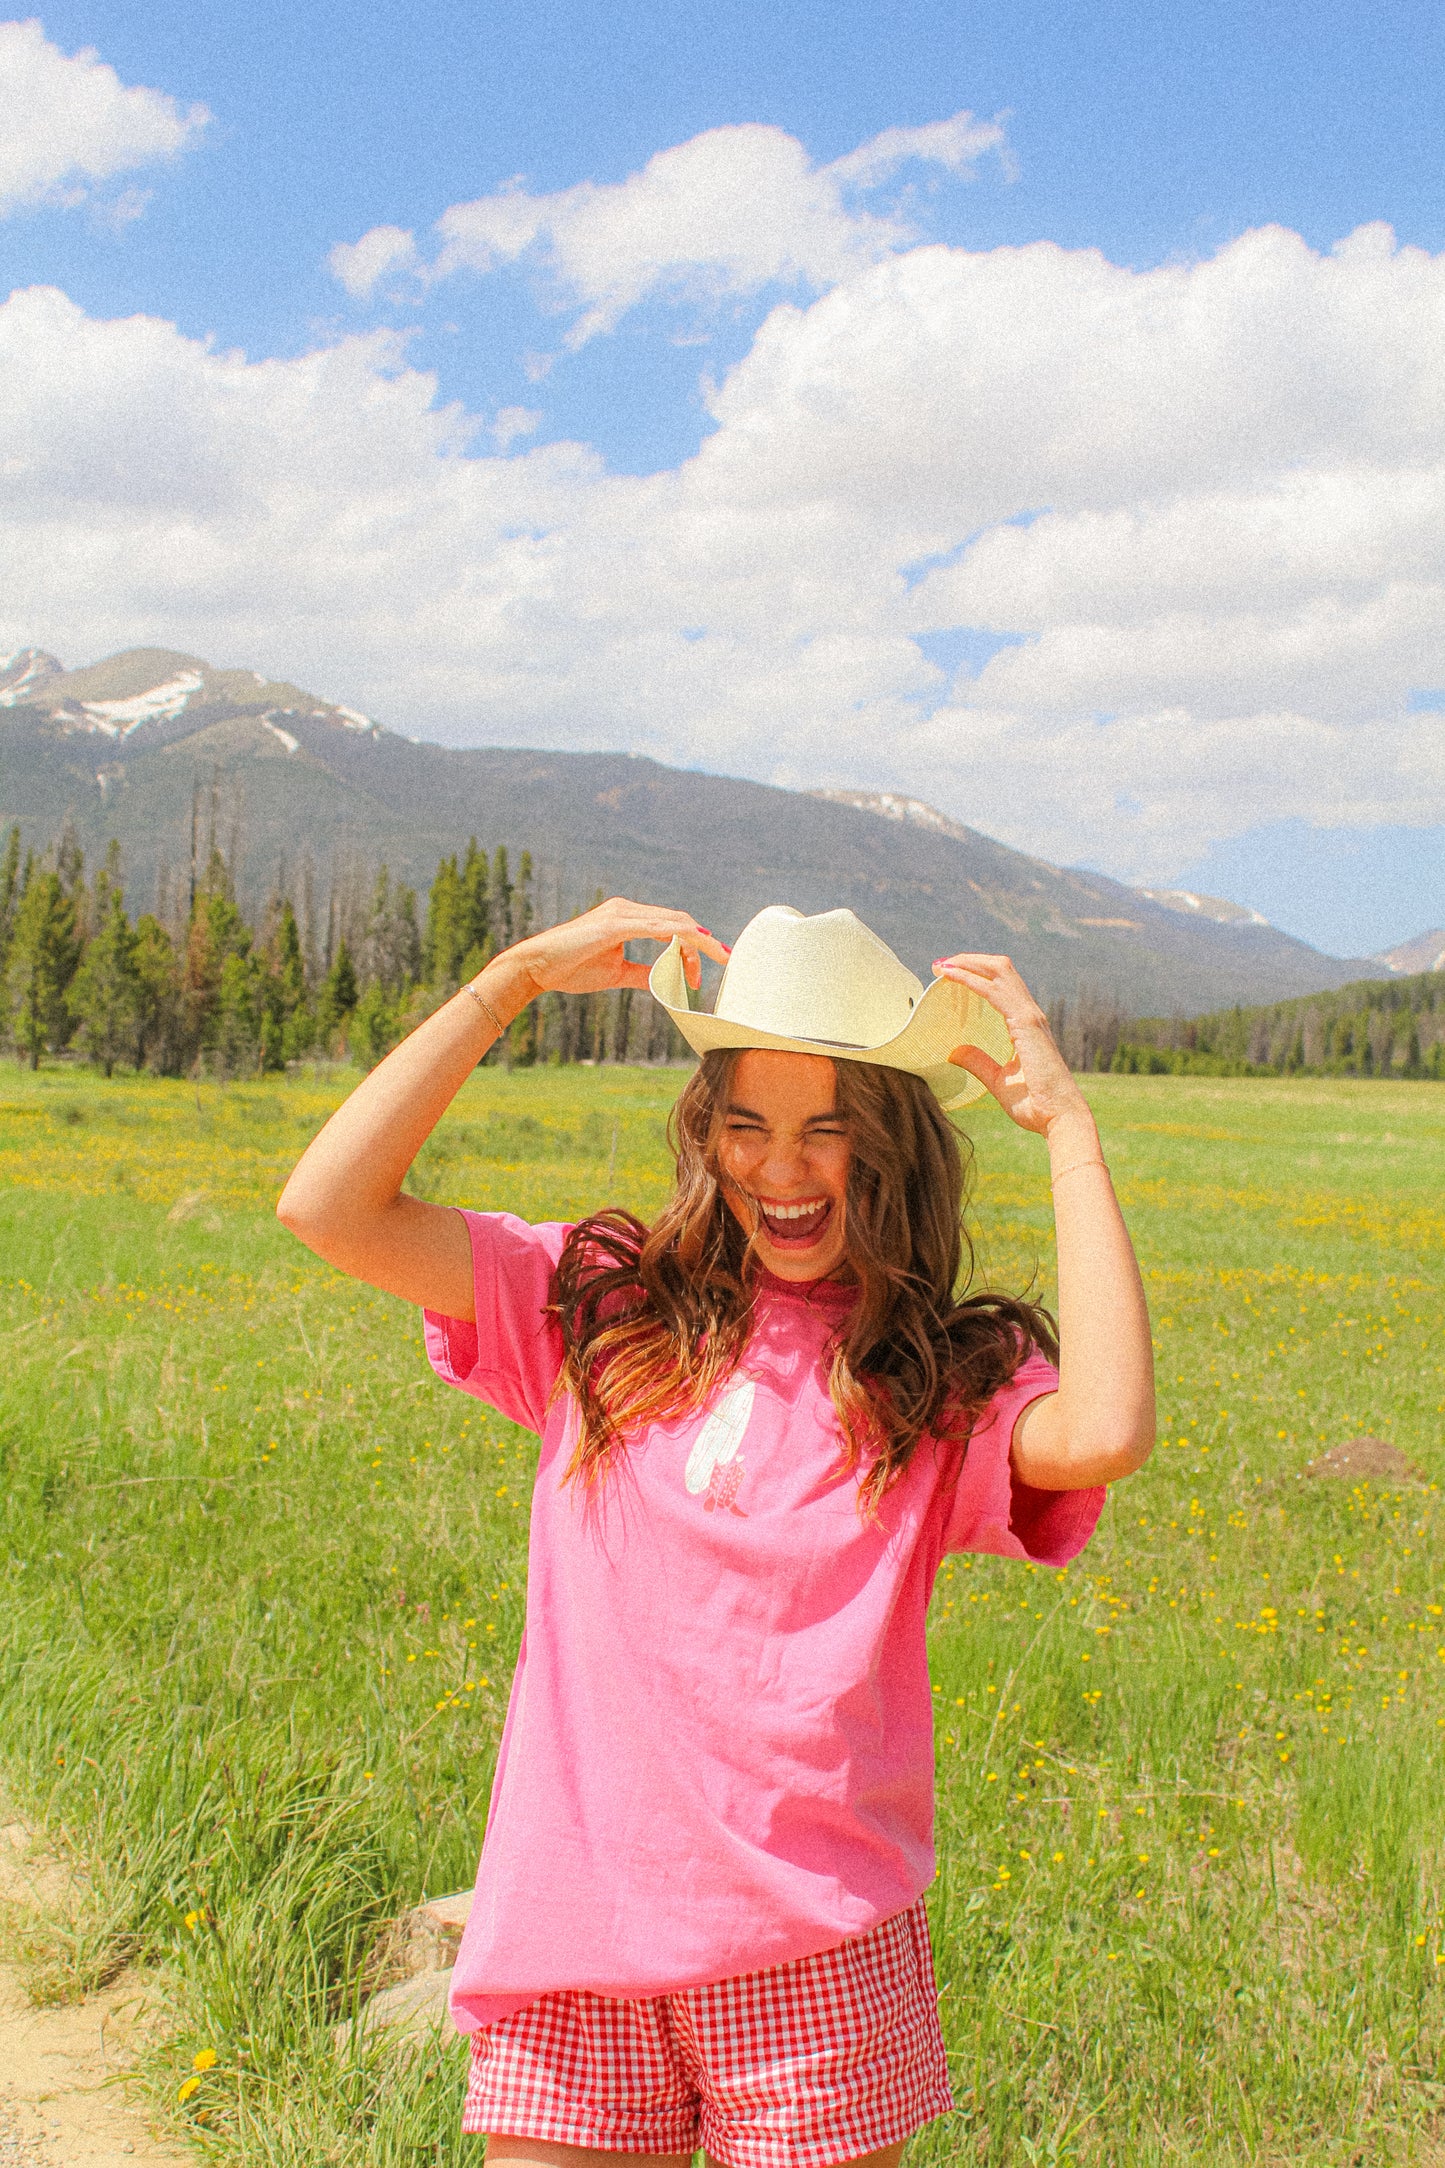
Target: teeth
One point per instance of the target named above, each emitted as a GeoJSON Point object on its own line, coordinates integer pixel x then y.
{"type": "Point", "coordinates": [795, 1211]}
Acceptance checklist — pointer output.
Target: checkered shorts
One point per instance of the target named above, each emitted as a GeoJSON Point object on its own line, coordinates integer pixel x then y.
{"type": "Point", "coordinates": [804, 2065]}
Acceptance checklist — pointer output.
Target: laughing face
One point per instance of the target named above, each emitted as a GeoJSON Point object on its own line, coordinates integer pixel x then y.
{"type": "Point", "coordinates": [783, 1156]}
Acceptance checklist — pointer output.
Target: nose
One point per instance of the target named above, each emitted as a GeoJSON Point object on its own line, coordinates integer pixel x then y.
{"type": "Point", "coordinates": [784, 1164]}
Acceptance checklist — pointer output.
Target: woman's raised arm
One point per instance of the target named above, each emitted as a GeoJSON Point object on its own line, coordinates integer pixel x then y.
{"type": "Point", "coordinates": [344, 1198]}
{"type": "Point", "coordinates": [1100, 1423]}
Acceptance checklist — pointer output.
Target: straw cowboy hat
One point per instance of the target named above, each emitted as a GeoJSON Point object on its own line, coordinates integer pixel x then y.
{"type": "Point", "coordinates": [827, 985]}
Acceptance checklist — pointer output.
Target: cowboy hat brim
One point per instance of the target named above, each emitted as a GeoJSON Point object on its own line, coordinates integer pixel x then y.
{"type": "Point", "coordinates": [947, 1016]}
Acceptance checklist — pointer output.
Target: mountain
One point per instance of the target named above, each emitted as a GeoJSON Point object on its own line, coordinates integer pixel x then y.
{"type": "Point", "coordinates": [1218, 908]}
{"type": "Point", "coordinates": [1425, 953]}
{"type": "Point", "coordinates": [127, 746]}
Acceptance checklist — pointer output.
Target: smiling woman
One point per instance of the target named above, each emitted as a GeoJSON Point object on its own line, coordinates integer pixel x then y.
{"type": "Point", "coordinates": [765, 1419]}
{"type": "Point", "coordinates": [784, 1154]}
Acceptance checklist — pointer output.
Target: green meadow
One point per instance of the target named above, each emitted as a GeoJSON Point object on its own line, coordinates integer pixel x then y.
{"type": "Point", "coordinates": [263, 1582]}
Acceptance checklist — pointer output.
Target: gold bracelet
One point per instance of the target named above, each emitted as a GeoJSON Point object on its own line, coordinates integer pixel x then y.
{"type": "Point", "coordinates": [485, 1005]}
{"type": "Point", "coordinates": [1073, 1168]}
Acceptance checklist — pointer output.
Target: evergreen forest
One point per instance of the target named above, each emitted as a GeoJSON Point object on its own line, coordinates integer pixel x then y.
{"type": "Point", "coordinates": [193, 987]}
{"type": "Point", "coordinates": [1376, 1027]}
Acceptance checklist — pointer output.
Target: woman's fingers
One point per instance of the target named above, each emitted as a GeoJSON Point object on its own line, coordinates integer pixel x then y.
{"type": "Point", "coordinates": [588, 953]}
{"type": "Point", "coordinates": [990, 1073]}
{"type": "Point", "coordinates": [648, 924]}
{"type": "Point", "coordinates": [997, 982]}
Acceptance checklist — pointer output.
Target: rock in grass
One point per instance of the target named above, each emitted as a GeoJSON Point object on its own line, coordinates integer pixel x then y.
{"type": "Point", "coordinates": [410, 1974]}
{"type": "Point", "coordinates": [1375, 1458]}
{"type": "Point", "coordinates": [411, 2006]}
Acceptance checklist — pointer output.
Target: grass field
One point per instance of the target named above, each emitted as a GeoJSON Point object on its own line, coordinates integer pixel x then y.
{"type": "Point", "coordinates": [263, 1583]}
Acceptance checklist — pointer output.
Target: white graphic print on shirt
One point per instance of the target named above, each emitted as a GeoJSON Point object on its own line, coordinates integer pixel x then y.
{"type": "Point", "coordinates": [715, 1463]}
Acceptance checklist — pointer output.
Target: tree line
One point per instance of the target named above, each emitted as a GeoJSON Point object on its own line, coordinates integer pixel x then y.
{"type": "Point", "coordinates": [1375, 1027]}
{"type": "Point", "coordinates": [194, 986]}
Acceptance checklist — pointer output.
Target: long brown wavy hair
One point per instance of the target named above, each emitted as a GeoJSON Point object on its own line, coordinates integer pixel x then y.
{"type": "Point", "coordinates": [652, 1318]}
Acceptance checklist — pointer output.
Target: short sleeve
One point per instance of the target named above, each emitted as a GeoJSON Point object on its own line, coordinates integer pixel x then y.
{"type": "Point", "coordinates": [511, 1356]}
{"type": "Point", "coordinates": [992, 1510]}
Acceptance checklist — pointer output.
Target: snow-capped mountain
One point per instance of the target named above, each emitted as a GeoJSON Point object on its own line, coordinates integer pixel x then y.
{"type": "Point", "coordinates": [159, 751]}
{"type": "Point", "coordinates": [1218, 908]}
{"type": "Point", "coordinates": [1425, 953]}
{"type": "Point", "coordinates": [146, 691]}
{"type": "Point", "coordinates": [23, 674]}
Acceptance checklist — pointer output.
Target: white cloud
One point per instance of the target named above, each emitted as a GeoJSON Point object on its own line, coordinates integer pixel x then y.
{"type": "Point", "coordinates": [1206, 501]}
{"type": "Point", "coordinates": [955, 144]}
{"type": "Point", "coordinates": [729, 212]}
{"type": "Point", "coordinates": [512, 422]}
{"type": "Point", "coordinates": [68, 125]}
{"type": "Point", "coordinates": [362, 265]}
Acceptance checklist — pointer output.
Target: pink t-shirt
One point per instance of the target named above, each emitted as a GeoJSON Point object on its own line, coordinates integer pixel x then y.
{"type": "Point", "coordinates": [718, 1754]}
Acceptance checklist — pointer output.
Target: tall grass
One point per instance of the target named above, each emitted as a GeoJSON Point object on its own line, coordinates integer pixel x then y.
{"type": "Point", "coordinates": [264, 1583]}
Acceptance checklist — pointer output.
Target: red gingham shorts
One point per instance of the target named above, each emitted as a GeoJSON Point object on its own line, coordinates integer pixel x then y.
{"type": "Point", "coordinates": [804, 2065]}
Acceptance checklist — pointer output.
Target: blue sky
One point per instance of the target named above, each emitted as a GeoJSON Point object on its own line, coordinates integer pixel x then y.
{"type": "Point", "coordinates": [1146, 144]}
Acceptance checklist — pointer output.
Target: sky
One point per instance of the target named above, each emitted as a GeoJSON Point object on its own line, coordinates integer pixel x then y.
{"type": "Point", "coordinates": [1036, 409]}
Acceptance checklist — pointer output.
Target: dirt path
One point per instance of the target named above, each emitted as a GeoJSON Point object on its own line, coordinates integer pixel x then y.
{"type": "Point", "coordinates": [58, 2108]}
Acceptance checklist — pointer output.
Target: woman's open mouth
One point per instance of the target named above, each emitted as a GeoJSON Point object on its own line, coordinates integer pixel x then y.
{"type": "Point", "coordinates": [795, 1226]}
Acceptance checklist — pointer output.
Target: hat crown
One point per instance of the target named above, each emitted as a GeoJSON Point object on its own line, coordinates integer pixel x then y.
{"type": "Point", "coordinates": [827, 978]}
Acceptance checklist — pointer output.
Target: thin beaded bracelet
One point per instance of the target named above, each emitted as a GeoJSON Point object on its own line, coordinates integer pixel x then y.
{"type": "Point", "coordinates": [482, 1003]}
{"type": "Point", "coordinates": [1073, 1168]}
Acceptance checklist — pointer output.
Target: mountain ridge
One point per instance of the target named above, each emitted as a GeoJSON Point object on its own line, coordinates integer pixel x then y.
{"type": "Point", "coordinates": [128, 745]}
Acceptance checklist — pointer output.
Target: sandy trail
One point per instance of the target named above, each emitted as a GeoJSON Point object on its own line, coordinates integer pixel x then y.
{"type": "Point", "coordinates": [60, 2106]}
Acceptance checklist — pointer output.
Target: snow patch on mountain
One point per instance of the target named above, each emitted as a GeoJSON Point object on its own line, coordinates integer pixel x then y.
{"type": "Point", "coordinates": [1217, 908]}
{"type": "Point", "coordinates": [161, 704]}
{"type": "Point", "coordinates": [1426, 952]}
{"type": "Point", "coordinates": [24, 672]}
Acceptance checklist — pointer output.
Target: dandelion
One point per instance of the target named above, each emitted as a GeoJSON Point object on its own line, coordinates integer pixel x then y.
{"type": "Point", "coordinates": [193, 1921]}
{"type": "Point", "coordinates": [206, 2059]}
{"type": "Point", "coordinates": [191, 2085]}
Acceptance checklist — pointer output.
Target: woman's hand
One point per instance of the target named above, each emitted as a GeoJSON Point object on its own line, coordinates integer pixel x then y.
{"type": "Point", "coordinates": [345, 1199]}
{"type": "Point", "coordinates": [588, 954]}
{"type": "Point", "coordinates": [1036, 1089]}
{"type": "Point", "coordinates": [1099, 1425]}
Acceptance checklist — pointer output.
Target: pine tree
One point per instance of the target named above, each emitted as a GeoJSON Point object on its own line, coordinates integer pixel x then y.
{"type": "Point", "coordinates": [476, 941]}
{"type": "Point", "coordinates": [238, 1044]}
{"type": "Point", "coordinates": [522, 1038]}
{"type": "Point", "coordinates": [443, 946]}
{"type": "Point", "coordinates": [499, 903]}
{"type": "Point", "coordinates": [287, 1025]}
{"type": "Point", "coordinates": [44, 955]}
{"type": "Point", "coordinates": [160, 1034]}
{"type": "Point", "coordinates": [70, 868]}
{"type": "Point", "coordinates": [9, 893]}
{"type": "Point", "coordinates": [105, 996]}
{"type": "Point", "coordinates": [217, 933]}
{"type": "Point", "coordinates": [338, 995]}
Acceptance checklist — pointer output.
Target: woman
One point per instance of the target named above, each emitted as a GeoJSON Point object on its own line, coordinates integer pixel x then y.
{"type": "Point", "coordinates": [699, 1914]}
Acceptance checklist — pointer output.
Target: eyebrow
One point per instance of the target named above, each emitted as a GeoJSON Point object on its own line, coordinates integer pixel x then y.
{"type": "Point", "coordinates": [750, 1114]}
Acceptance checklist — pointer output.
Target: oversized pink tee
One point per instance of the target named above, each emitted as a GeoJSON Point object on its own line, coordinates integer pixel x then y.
{"type": "Point", "coordinates": [719, 1749]}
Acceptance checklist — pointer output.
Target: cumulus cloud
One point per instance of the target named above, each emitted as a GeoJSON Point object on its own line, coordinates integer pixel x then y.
{"type": "Point", "coordinates": [731, 211]}
{"type": "Point", "coordinates": [68, 125]}
{"type": "Point", "coordinates": [361, 266]}
{"type": "Point", "coordinates": [1204, 503]}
